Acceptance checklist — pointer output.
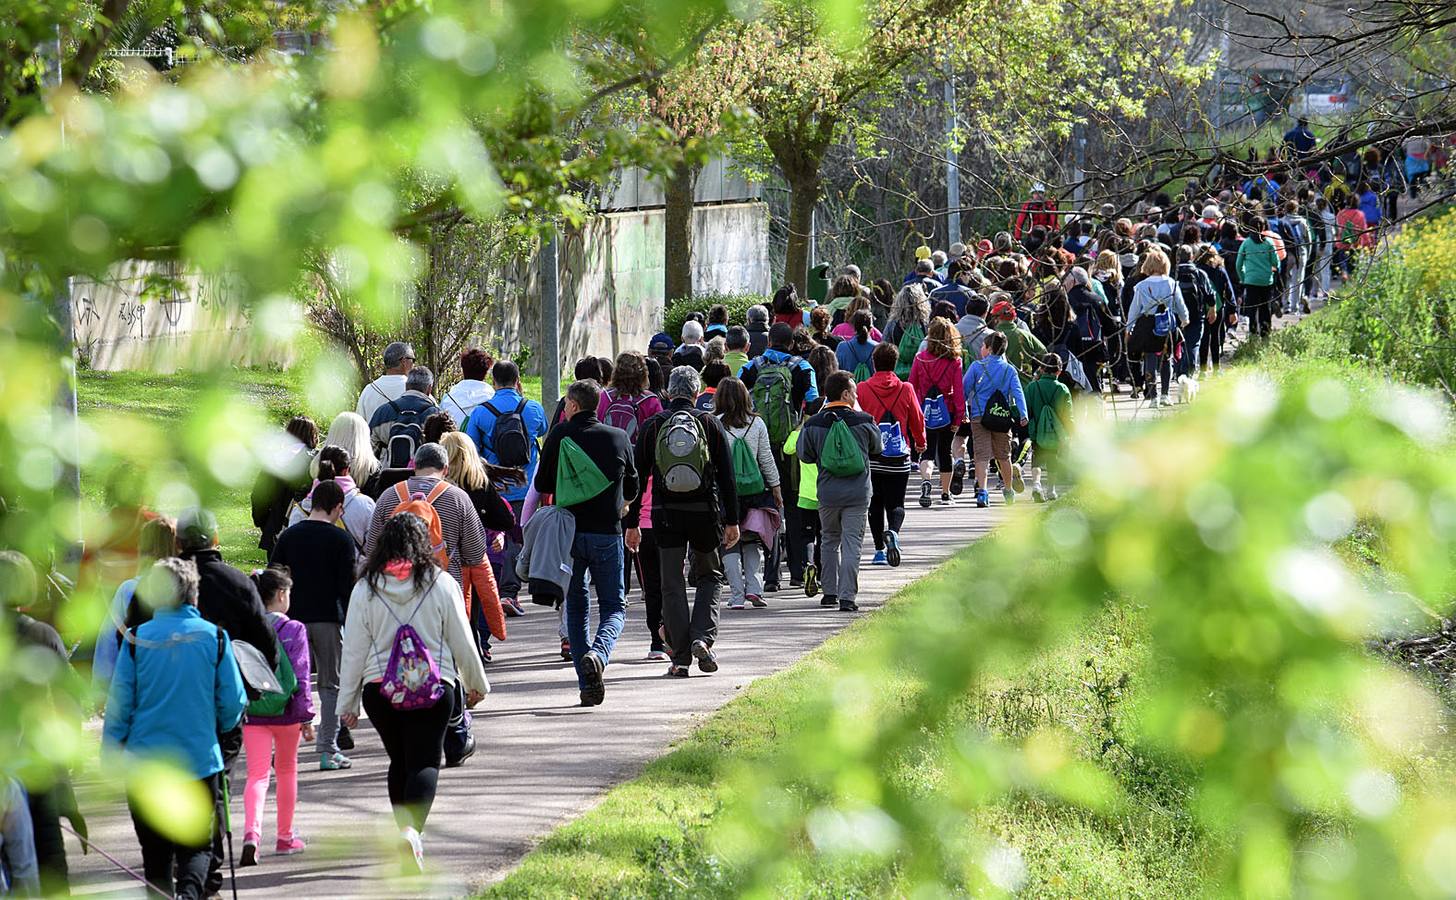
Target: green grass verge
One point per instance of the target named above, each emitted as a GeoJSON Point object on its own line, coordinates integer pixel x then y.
{"type": "Point", "coordinates": [651, 836]}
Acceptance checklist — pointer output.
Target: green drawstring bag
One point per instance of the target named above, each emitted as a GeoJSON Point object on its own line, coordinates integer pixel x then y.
{"type": "Point", "coordinates": [842, 455]}
{"type": "Point", "coordinates": [577, 478]}
{"type": "Point", "coordinates": [747, 477]}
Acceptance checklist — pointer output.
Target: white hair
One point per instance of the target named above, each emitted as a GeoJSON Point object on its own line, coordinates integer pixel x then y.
{"type": "Point", "coordinates": [938, 258]}
{"type": "Point", "coordinates": [692, 331]}
{"type": "Point", "coordinates": [351, 432]}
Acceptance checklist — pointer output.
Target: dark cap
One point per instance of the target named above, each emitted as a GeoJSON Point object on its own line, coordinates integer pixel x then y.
{"type": "Point", "coordinates": [196, 530]}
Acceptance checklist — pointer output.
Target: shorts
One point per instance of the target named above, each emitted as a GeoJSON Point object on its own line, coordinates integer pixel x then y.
{"type": "Point", "coordinates": [964, 429]}
{"type": "Point", "coordinates": [989, 445]}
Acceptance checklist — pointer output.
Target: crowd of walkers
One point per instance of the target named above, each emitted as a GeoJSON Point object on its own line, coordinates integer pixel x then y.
{"type": "Point", "coordinates": [717, 467]}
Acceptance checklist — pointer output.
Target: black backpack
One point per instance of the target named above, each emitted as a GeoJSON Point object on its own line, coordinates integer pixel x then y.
{"type": "Point", "coordinates": [1194, 285]}
{"type": "Point", "coordinates": [508, 437]}
{"type": "Point", "coordinates": [406, 434]}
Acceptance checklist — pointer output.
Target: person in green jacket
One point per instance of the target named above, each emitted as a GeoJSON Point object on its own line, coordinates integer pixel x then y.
{"type": "Point", "coordinates": [1049, 410]}
{"type": "Point", "coordinates": [1258, 265]}
{"type": "Point", "coordinates": [1024, 350]}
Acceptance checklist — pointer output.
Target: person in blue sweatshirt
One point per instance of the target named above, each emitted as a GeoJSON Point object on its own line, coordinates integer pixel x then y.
{"type": "Point", "coordinates": [986, 376]}
{"type": "Point", "coordinates": [175, 689]}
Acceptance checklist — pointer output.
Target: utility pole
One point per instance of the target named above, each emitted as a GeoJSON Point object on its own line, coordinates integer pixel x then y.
{"type": "Point", "coordinates": [952, 169]}
{"type": "Point", "coordinates": [550, 324]}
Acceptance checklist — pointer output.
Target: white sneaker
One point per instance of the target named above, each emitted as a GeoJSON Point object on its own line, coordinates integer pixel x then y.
{"type": "Point", "coordinates": [414, 849]}
{"type": "Point", "coordinates": [1164, 400]}
{"type": "Point", "coordinates": [947, 500]}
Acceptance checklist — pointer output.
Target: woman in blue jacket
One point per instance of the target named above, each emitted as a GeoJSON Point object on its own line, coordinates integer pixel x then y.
{"type": "Point", "coordinates": [986, 376]}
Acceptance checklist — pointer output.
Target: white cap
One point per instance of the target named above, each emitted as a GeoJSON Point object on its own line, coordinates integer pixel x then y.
{"type": "Point", "coordinates": [1038, 188]}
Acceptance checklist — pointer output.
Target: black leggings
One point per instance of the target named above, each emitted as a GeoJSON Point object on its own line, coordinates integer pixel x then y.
{"type": "Point", "coordinates": [1257, 307]}
{"type": "Point", "coordinates": [937, 446]}
{"type": "Point", "coordinates": [887, 502]}
{"type": "Point", "coordinates": [415, 741]}
{"type": "Point", "coordinates": [649, 574]}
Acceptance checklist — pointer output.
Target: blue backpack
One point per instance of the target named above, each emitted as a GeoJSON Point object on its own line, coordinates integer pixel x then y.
{"type": "Point", "coordinates": [1163, 321]}
{"type": "Point", "coordinates": [892, 437]}
{"type": "Point", "coordinates": [936, 410]}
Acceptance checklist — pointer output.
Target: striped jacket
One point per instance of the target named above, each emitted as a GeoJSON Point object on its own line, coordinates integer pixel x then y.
{"type": "Point", "coordinates": [464, 535]}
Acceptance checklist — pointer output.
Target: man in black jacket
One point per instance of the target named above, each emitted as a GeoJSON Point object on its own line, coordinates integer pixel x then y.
{"type": "Point", "coordinates": [573, 449]}
{"type": "Point", "coordinates": [694, 515]}
{"type": "Point", "coordinates": [228, 599]}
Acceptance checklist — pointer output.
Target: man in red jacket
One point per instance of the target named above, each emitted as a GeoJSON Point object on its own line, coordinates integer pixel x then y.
{"type": "Point", "coordinates": [1037, 211]}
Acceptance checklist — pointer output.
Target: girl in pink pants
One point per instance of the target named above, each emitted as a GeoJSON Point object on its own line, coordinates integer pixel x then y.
{"type": "Point", "coordinates": [272, 741]}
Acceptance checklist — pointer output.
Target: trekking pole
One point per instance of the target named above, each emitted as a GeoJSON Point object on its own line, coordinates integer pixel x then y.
{"type": "Point", "coordinates": [132, 873]}
{"type": "Point", "coordinates": [224, 802]}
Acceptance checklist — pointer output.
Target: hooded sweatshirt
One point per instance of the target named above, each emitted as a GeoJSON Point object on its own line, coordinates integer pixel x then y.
{"type": "Point", "coordinates": [294, 638]}
{"type": "Point", "coordinates": [358, 509]}
{"type": "Point", "coordinates": [930, 373]}
{"type": "Point", "coordinates": [462, 399]}
{"type": "Point", "coordinates": [885, 393]}
{"type": "Point", "coordinates": [376, 611]}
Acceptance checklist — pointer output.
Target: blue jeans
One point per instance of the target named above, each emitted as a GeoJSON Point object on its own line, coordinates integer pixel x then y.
{"type": "Point", "coordinates": [601, 554]}
{"type": "Point", "coordinates": [1192, 335]}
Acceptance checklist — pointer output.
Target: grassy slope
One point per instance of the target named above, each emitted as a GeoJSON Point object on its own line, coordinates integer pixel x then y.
{"type": "Point", "coordinates": [647, 838]}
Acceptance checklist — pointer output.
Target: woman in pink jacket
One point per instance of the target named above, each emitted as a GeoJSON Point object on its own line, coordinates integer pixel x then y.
{"type": "Point", "coordinates": [936, 376]}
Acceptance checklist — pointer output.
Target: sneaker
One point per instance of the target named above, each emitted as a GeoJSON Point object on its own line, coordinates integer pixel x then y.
{"type": "Point", "coordinates": [958, 479]}
{"type": "Point", "coordinates": [829, 600]}
{"type": "Point", "coordinates": [1009, 497]}
{"type": "Point", "coordinates": [345, 740]}
{"type": "Point", "coordinates": [595, 690]}
{"type": "Point", "coordinates": [1038, 495]}
{"type": "Point", "coordinates": [676, 671]}
{"type": "Point", "coordinates": [1018, 483]}
{"type": "Point", "coordinates": [795, 583]}
{"type": "Point", "coordinates": [770, 587]}
{"type": "Point", "coordinates": [656, 655]}
{"type": "Point", "coordinates": [332, 762]}
{"type": "Point", "coordinates": [512, 607]}
{"type": "Point", "coordinates": [983, 499]}
{"type": "Point", "coordinates": [412, 853]}
{"type": "Point", "coordinates": [455, 762]}
{"type": "Point", "coordinates": [707, 659]}
{"type": "Point", "coordinates": [735, 604]}
{"type": "Point", "coordinates": [811, 580]}
{"type": "Point", "coordinates": [892, 548]}
{"type": "Point", "coordinates": [1164, 400]}
{"type": "Point", "coordinates": [757, 602]}
{"type": "Point", "coordinates": [250, 855]}
{"type": "Point", "coordinates": [485, 655]}
{"type": "Point", "coordinates": [848, 606]}
{"type": "Point", "coordinates": [566, 649]}
{"type": "Point", "coordinates": [879, 559]}
{"type": "Point", "coordinates": [925, 494]}
{"type": "Point", "coordinates": [947, 500]}
{"type": "Point", "coordinates": [1052, 492]}
{"type": "Point", "coordinates": [288, 846]}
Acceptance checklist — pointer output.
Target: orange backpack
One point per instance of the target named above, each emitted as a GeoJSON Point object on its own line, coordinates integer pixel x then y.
{"type": "Point", "coordinates": [423, 506]}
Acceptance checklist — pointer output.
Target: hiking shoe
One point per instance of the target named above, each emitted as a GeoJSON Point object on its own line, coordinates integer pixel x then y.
{"type": "Point", "coordinates": [250, 855]}
{"type": "Point", "coordinates": [288, 846]}
{"type": "Point", "coordinates": [925, 494]}
{"type": "Point", "coordinates": [707, 659]}
{"type": "Point", "coordinates": [594, 690]}
{"type": "Point", "coordinates": [676, 671]}
{"type": "Point", "coordinates": [1038, 495]}
{"type": "Point", "coordinates": [811, 580]}
{"type": "Point", "coordinates": [983, 499]}
{"type": "Point", "coordinates": [512, 607]}
{"type": "Point", "coordinates": [757, 602]}
{"type": "Point", "coordinates": [656, 655]}
{"type": "Point", "coordinates": [829, 600]}
{"type": "Point", "coordinates": [332, 762]}
{"type": "Point", "coordinates": [848, 606]}
{"type": "Point", "coordinates": [1009, 497]}
{"type": "Point", "coordinates": [1018, 484]}
{"type": "Point", "coordinates": [345, 740]}
{"type": "Point", "coordinates": [879, 559]}
{"type": "Point", "coordinates": [947, 500]}
{"type": "Point", "coordinates": [958, 479]}
{"type": "Point", "coordinates": [566, 649]}
{"type": "Point", "coordinates": [892, 548]}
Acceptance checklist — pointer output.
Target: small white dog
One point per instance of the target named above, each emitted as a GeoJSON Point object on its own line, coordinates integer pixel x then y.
{"type": "Point", "coordinates": [1187, 389]}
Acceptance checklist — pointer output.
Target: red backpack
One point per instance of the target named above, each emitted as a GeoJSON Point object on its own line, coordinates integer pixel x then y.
{"type": "Point", "coordinates": [423, 506]}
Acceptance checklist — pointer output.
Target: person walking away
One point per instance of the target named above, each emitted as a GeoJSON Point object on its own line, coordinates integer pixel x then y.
{"type": "Point", "coordinates": [398, 427]}
{"type": "Point", "coordinates": [406, 648]}
{"type": "Point", "coordinates": [1295, 230]}
{"type": "Point", "coordinates": [894, 407]}
{"type": "Point", "coordinates": [177, 687]}
{"type": "Point", "coordinates": [786, 307]}
{"type": "Point", "coordinates": [1202, 302]}
{"type": "Point", "coordinates": [1090, 311]}
{"type": "Point", "coordinates": [1049, 409]}
{"type": "Point", "coordinates": [1258, 267]}
{"type": "Point", "coordinates": [352, 434]}
{"type": "Point", "coordinates": [321, 559]}
{"type": "Point", "coordinates": [936, 377]}
{"type": "Point", "coordinates": [399, 358]}
{"type": "Point", "coordinates": [1224, 316]}
{"type": "Point", "coordinates": [275, 723]}
{"type": "Point", "coordinates": [840, 440]}
{"type": "Point", "coordinates": [283, 480]}
{"type": "Point", "coordinates": [1325, 264]}
{"type": "Point", "coordinates": [1157, 312]}
{"type": "Point", "coordinates": [333, 464]}
{"type": "Point", "coordinates": [756, 322]}
{"type": "Point", "coordinates": [506, 430]}
{"type": "Point", "coordinates": [691, 351]}
{"type": "Point", "coordinates": [472, 389]}
{"type": "Point", "coordinates": [996, 404]}
{"type": "Point", "coordinates": [1038, 212]}
{"type": "Point", "coordinates": [589, 467]}
{"type": "Point", "coordinates": [156, 540]}
{"type": "Point", "coordinates": [1023, 349]}
{"type": "Point", "coordinates": [1353, 233]}
{"type": "Point", "coordinates": [735, 345]}
{"type": "Point", "coordinates": [756, 481]}
{"type": "Point", "coordinates": [855, 353]}
{"type": "Point", "coordinates": [684, 460]}
{"type": "Point", "coordinates": [19, 870]}
{"type": "Point", "coordinates": [482, 594]}
{"type": "Point", "coordinates": [909, 317]}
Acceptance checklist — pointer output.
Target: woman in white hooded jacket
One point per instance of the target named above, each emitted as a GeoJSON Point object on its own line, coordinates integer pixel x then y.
{"type": "Point", "coordinates": [402, 585]}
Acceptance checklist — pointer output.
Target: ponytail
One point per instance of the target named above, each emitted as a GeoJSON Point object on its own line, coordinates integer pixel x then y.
{"type": "Point", "coordinates": [861, 321]}
{"type": "Point", "coordinates": [333, 461]}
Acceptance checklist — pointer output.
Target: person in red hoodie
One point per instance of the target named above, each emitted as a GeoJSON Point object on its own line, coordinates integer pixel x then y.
{"type": "Point", "coordinates": [936, 377]}
{"type": "Point", "coordinates": [894, 405]}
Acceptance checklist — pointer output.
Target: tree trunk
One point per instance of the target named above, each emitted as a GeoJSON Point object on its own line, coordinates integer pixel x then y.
{"type": "Point", "coordinates": [803, 195]}
{"type": "Point", "coordinates": [677, 237]}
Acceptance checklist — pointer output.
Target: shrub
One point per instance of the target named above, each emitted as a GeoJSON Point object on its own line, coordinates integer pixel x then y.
{"type": "Point", "coordinates": [677, 311]}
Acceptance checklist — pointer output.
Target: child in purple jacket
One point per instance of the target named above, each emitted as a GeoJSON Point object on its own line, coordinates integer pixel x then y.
{"type": "Point", "coordinates": [275, 738]}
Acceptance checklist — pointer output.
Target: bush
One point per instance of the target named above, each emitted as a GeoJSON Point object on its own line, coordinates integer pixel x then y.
{"type": "Point", "coordinates": [677, 311]}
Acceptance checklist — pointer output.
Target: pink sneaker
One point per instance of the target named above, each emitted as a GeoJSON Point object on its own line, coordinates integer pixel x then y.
{"type": "Point", "coordinates": [290, 846]}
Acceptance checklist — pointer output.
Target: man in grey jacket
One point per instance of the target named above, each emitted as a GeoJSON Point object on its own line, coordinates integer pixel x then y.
{"type": "Point", "coordinates": [844, 498]}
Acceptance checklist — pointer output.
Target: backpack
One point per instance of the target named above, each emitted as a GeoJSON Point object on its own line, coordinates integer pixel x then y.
{"type": "Point", "coordinates": [622, 412]}
{"type": "Point", "coordinates": [423, 506]}
{"type": "Point", "coordinates": [773, 398]}
{"type": "Point", "coordinates": [862, 368]}
{"type": "Point", "coordinates": [578, 478]}
{"type": "Point", "coordinates": [273, 703]}
{"type": "Point", "coordinates": [412, 676]}
{"type": "Point", "coordinates": [892, 437]}
{"type": "Point", "coordinates": [999, 414]}
{"type": "Point", "coordinates": [406, 434]}
{"type": "Point", "coordinates": [908, 346]}
{"type": "Point", "coordinates": [935, 409]}
{"type": "Point", "coordinates": [1089, 323]}
{"type": "Point", "coordinates": [1162, 321]}
{"type": "Point", "coordinates": [704, 403]}
{"type": "Point", "coordinates": [1349, 234]}
{"type": "Point", "coordinates": [508, 438]}
{"type": "Point", "coordinates": [1046, 431]}
{"type": "Point", "coordinates": [682, 453]}
{"type": "Point", "coordinates": [841, 456]}
{"type": "Point", "coordinates": [1195, 290]}
{"type": "Point", "coordinates": [747, 476]}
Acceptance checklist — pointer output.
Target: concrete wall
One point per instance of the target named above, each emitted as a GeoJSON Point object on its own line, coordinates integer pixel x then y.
{"type": "Point", "coordinates": [136, 318]}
